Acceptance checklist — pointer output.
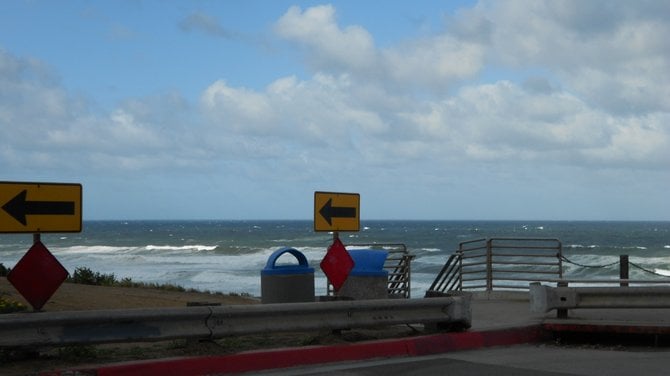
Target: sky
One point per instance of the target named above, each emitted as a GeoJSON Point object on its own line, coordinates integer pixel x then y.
{"type": "Point", "coordinates": [461, 110]}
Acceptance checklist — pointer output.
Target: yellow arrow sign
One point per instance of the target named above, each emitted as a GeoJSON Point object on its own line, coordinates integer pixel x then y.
{"type": "Point", "coordinates": [336, 211]}
{"type": "Point", "coordinates": [40, 207]}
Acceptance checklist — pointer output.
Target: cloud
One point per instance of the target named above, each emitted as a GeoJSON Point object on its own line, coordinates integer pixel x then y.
{"type": "Point", "coordinates": [614, 54]}
{"type": "Point", "coordinates": [44, 127]}
{"type": "Point", "coordinates": [203, 22]}
{"type": "Point", "coordinates": [432, 61]}
{"type": "Point", "coordinates": [328, 44]}
{"type": "Point", "coordinates": [611, 81]}
{"type": "Point", "coordinates": [574, 97]}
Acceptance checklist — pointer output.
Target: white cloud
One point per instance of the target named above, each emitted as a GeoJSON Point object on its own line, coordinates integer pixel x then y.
{"type": "Point", "coordinates": [238, 109]}
{"type": "Point", "coordinates": [615, 54]}
{"type": "Point", "coordinates": [329, 44]}
{"type": "Point", "coordinates": [431, 61]}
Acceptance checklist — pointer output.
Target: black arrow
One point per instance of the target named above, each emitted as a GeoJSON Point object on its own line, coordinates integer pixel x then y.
{"type": "Point", "coordinates": [18, 207]}
{"type": "Point", "coordinates": [328, 211]}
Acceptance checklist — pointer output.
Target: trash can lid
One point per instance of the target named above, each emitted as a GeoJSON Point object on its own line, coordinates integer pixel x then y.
{"type": "Point", "coordinates": [368, 262]}
{"type": "Point", "coordinates": [301, 268]}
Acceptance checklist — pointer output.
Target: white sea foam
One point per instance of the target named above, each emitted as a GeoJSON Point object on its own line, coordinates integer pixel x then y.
{"type": "Point", "coordinates": [663, 272]}
{"type": "Point", "coordinates": [195, 247]}
{"type": "Point", "coordinates": [431, 250]}
{"type": "Point", "coordinates": [87, 249]}
{"type": "Point", "coordinates": [577, 246]}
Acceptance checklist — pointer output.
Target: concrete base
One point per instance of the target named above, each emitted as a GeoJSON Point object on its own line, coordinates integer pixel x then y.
{"type": "Point", "coordinates": [365, 287]}
{"type": "Point", "coordinates": [287, 288]}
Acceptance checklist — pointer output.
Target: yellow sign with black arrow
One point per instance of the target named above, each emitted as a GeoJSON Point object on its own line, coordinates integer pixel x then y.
{"type": "Point", "coordinates": [40, 207]}
{"type": "Point", "coordinates": [337, 211]}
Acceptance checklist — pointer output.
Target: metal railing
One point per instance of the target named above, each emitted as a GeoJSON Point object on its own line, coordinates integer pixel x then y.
{"type": "Point", "coordinates": [398, 264]}
{"type": "Point", "coordinates": [500, 263]}
{"type": "Point", "coordinates": [449, 277]}
{"type": "Point", "coordinates": [545, 298]}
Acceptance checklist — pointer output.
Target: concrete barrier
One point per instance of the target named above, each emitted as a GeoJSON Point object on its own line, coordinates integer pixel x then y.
{"type": "Point", "coordinates": [109, 326]}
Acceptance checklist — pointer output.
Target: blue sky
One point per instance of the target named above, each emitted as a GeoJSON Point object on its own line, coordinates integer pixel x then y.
{"type": "Point", "coordinates": [428, 109]}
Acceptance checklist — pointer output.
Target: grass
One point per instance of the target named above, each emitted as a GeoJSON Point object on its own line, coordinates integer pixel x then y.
{"type": "Point", "coordinates": [86, 276]}
{"type": "Point", "coordinates": [8, 305]}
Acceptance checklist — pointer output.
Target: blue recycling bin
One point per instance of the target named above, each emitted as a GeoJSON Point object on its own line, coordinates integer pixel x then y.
{"type": "Point", "coordinates": [369, 262]}
{"type": "Point", "coordinates": [287, 283]}
{"type": "Point", "coordinates": [368, 279]}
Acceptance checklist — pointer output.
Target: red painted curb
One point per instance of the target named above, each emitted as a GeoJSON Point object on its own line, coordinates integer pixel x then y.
{"type": "Point", "coordinates": [291, 357]}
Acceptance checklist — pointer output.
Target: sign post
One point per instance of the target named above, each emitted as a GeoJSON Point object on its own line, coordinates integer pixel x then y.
{"type": "Point", "coordinates": [337, 212]}
{"type": "Point", "coordinates": [36, 208]}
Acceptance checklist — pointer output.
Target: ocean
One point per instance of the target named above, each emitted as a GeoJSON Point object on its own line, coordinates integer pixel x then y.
{"type": "Point", "coordinates": [227, 256]}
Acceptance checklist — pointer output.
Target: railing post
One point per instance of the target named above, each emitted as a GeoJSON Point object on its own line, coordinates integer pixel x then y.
{"type": "Point", "coordinates": [560, 260]}
{"type": "Point", "coordinates": [408, 276]}
{"type": "Point", "coordinates": [489, 266]}
{"type": "Point", "coordinates": [623, 269]}
{"type": "Point", "coordinates": [460, 271]}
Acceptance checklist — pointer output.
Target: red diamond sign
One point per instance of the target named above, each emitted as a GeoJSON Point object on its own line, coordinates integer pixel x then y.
{"type": "Point", "coordinates": [337, 264]}
{"type": "Point", "coordinates": [37, 275]}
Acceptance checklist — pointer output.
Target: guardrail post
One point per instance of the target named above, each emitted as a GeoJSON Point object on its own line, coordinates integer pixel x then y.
{"type": "Point", "coordinates": [562, 313]}
{"type": "Point", "coordinates": [623, 269]}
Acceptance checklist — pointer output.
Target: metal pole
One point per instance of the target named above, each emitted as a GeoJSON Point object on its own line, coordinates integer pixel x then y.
{"type": "Point", "coordinates": [460, 271]}
{"type": "Point", "coordinates": [623, 269]}
{"type": "Point", "coordinates": [489, 266]}
{"type": "Point", "coordinates": [560, 259]}
{"type": "Point", "coordinates": [336, 237]}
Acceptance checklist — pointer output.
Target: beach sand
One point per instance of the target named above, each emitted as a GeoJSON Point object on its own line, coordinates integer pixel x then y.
{"type": "Point", "coordinates": [77, 297]}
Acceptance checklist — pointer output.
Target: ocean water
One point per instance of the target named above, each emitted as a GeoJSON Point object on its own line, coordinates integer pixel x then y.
{"type": "Point", "coordinates": [227, 256]}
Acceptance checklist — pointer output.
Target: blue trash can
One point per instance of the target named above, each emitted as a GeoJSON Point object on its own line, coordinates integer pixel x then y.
{"type": "Point", "coordinates": [287, 283]}
{"type": "Point", "coordinates": [368, 279]}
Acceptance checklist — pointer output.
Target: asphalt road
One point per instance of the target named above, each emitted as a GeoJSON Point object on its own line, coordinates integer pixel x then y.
{"type": "Point", "coordinates": [542, 360]}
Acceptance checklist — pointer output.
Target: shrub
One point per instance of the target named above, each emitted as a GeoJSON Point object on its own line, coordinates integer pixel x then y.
{"type": "Point", "coordinates": [4, 271]}
{"type": "Point", "coordinates": [86, 276]}
{"type": "Point", "coordinates": [9, 306]}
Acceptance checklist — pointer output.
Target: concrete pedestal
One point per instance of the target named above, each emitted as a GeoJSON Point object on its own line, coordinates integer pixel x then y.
{"type": "Point", "coordinates": [365, 287]}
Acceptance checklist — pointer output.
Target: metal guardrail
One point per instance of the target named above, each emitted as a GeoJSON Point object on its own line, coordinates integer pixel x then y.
{"type": "Point", "coordinates": [449, 277]}
{"type": "Point", "coordinates": [398, 264]}
{"type": "Point", "coordinates": [500, 263]}
{"type": "Point", "coordinates": [545, 298]}
{"type": "Point", "coordinates": [211, 322]}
